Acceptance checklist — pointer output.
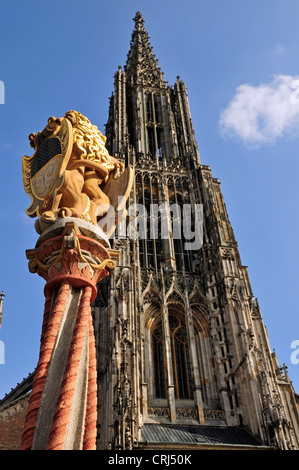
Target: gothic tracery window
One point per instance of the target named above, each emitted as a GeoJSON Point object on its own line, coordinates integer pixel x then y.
{"type": "Point", "coordinates": [157, 107]}
{"type": "Point", "coordinates": [151, 140]}
{"type": "Point", "coordinates": [182, 256]}
{"type": "Point", "coordinates": [181, 363]}
{"type": "Point", "coordinates": [154, 127]}
{"type": "Point", "coordinates": [150, 246]}
{"type": "Point", "coordinates": [149, 108]}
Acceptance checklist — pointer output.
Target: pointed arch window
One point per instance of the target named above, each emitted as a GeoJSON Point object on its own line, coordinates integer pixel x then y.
{"type": "Point", "coordinates": [181, 362]}
{"type": "Point", "coordinates": [157, 106]}
{"type": "Point", "coordinates": [154, 125]}
{"type": "Point", "coordinates": [159, 363]}
{"type": "Point", "coordinates": [151, 140]}
{"type": "Point", "coordinates": [149, 108]}
{"type": "Point", "coordinates": [160, 141]}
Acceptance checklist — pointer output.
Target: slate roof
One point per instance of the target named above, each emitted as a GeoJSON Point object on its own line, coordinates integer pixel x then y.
{"type": "Point", "coordinates": [212, 435]}
{"type": "Point", "coordinates": [19, 392]}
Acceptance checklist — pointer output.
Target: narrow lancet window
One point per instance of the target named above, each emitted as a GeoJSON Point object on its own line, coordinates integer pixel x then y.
{"type": "Point", "coordinates": [151, 140]}
{"type": "Point", "coordinates": [159, 363]}
{"type": "Point", "coordinates": [181, 362]}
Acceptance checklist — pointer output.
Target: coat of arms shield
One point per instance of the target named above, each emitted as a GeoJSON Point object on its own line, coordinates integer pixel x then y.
{"type": "Point", "coordinates": [43, 173]}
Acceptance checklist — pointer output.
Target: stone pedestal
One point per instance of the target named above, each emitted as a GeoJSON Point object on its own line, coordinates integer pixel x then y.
{"type": "Point", "coordinates": [72, 256]}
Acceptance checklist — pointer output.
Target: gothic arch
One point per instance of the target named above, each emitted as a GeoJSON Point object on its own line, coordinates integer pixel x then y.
{"type": "Point", "coordinates": [151, 299]}
{"type": "Point", "coordinates": [156, 364]}
{"type": "Point", "coordinates": [197, 299]}
{"type": "Point", "coordinates": [198, 305]}
{"type": "Point", "coordinates": [138, 177]}
{"type": "Point", "coordinates": [146, 178]}
{"type": "Point", "coordinates": [157, 367]}
{"type": "Point", "coordinates": [174, 296]}
{"type": "Point", "coordinates": [200, 321]}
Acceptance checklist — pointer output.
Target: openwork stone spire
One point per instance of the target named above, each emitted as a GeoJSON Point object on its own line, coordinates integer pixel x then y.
{"type": "Point", "coordinates": [142, 66]}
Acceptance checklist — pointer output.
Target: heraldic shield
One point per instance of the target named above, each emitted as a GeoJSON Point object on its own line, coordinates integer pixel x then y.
{"type": "Point", "coordinates": [43, 173]}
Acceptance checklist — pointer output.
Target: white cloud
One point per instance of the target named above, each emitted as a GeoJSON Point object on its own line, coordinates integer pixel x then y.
{"type": "Point", "coordinates": [261, 114]}
{"type": "Point", "coordinates": [278, 49]}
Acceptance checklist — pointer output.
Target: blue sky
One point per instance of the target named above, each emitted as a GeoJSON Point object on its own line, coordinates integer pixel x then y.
{"type": "Point", "coordinates": [238, 60]}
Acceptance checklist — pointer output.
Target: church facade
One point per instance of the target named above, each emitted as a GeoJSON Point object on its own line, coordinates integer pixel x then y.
{"type": "Point", "coordinates": [182, 347]}
{"type": "Point", "coordinates": [183, 355]}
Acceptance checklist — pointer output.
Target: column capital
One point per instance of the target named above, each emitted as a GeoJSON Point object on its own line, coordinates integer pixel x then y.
{"type": "Point", "coordinates": [66, 254]}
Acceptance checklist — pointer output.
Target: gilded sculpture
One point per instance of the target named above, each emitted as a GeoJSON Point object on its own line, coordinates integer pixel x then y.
{"type": "Point", "coordinates": [71, 173]}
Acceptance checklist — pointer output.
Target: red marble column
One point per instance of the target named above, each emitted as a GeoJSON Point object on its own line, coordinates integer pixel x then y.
{"type": "Point", "coordinates": [62, 411]}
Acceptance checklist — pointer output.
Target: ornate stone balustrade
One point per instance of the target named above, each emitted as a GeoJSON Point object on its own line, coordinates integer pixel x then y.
{"type": "Point", "coordinates": [163, 412]}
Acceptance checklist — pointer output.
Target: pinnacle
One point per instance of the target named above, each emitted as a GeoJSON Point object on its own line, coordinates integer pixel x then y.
{"type": "Point", "coordinates": [138, 19]}
{"type": "Point", "coordinates": [141, 62]}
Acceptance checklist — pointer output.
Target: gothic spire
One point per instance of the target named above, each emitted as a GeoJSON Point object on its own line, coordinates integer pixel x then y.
{"type": "Point", "coordinates": [141, 64]}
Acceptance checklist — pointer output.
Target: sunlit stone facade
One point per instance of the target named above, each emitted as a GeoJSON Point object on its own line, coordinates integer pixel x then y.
{"type": "Point", "coordinates": [180, 336]}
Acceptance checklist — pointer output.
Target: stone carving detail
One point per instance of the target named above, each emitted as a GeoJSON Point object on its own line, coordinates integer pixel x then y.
{"type": "Point", "coordinates": [159, 412]}
{"type": "Point", "coordinates": [186, 413]}
{"type": "Point", "coordinates": [122, 285]}
{"type": "Point", "coordinates": [71, 174]}
{"type": "Point", "coordinates": [70, 256]}
{"type": "Point", "coordinates": [146, 161]}
{"type": "Point", "coordinates": [226, 253]}
{"type": "Point", "coordinates": [185, 282]}
{"type": "Point", "coordinates": [214, 414]}
{"type": "Point", "coordinates": [197, 297]}
{"type": "Point", "coordinates": [151, 297]}
{"type": "Point", "coordinates": [176, 165]}
{"type": "Point", "coordinates": [175, 298]}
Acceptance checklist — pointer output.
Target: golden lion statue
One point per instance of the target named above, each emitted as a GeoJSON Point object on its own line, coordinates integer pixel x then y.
{"type": "Point", "coordinates": [71, 173]}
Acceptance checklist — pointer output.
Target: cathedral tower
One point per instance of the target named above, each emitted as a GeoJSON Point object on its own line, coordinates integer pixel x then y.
{"type": "Point", "coordinates": [183, 353]}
